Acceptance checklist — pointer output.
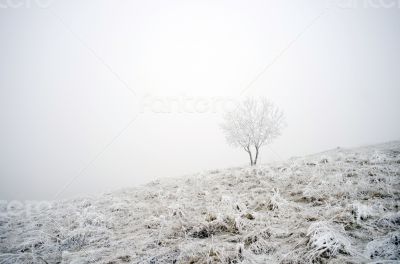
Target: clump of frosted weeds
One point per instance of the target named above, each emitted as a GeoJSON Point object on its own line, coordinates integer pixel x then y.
{"type": "Point", "coordinates": [385, 248]}
{"type": "Point", "coordinates": [391, 220]}
{"type": "Point", "coordinates": [258, 242]}
{"type": "Point", "coordinates": [362, 211]}
{"type": "Point", "coordinates": [326, 241]}
{"type": "Point", "coordinates": [276, 201]}
{"type": "Point", "coordinates": [224, 253]}
{"type": "Point", "coordinates": [377, 158]}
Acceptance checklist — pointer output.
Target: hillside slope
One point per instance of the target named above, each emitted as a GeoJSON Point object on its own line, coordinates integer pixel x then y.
{"type": "Point", "coordinates": [340, 206]}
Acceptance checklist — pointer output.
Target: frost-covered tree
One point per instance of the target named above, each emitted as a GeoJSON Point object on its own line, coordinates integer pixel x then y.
{"type": "Point", "coordinates": [253, 123]}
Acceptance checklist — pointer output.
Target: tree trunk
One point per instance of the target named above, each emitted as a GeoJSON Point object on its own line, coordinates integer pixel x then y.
{"type": "Point", "coordinates": [256, 158]}
{"type": "Point", "coordinates": [251, 158]}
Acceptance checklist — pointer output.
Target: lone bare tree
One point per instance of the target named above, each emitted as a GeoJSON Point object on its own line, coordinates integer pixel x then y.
{"type": "Point", "coordinates": [252, 124]}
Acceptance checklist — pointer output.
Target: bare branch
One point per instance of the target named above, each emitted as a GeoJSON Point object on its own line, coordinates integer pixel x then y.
{"type": "Point", "coordinates": [253, 123]}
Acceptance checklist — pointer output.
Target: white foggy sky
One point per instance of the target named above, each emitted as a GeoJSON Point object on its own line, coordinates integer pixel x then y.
{"type": "Point", "coordinates": [63, 98]}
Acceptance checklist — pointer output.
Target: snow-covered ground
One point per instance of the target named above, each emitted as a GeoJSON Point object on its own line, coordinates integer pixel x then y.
{"type": "Point", "coordinates": [340, 206]}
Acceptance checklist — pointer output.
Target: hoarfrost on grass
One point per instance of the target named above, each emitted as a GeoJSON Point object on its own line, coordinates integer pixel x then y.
{"type": "Point", "coordinates": [334, 207]}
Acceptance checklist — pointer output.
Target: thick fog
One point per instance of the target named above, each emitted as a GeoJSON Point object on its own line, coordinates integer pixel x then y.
{"type": "Point", "coordinates": [101, 95]}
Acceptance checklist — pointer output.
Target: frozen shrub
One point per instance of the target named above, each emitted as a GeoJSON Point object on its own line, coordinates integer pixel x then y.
{"type": "Point", "coordinates": [362, 212]}
{"type": "Point", "coordinates": [324, 160]}
{"type": "Point", "coordinates": [152, 223]}
{"type": "Point", "coordinates": [176, 210]}
{"type": "Point", "coordinates": [276, 201]}
{"type": "Point", "coordinates": [326, 240]}
{"type": "Point", "coordinates": [220, 225]}
{"type": "Point", "coordinates": [230, 255]}
{"type": "Point", "coordinates": [385, 248]}
{"type": "Point", "coordinates": [193, 253]}
{"type": "Point", "coordinates": [75, 241]}
{"type": "Point", "coordinates": [202, 231]}
{"type": "Point", "coordinates": [258, 242]}
{"type": "Point", "coordinates": [391, 220]}
{"type": "Point", "coordinates": [210, 217]}
{"type": "Point", "coordinates": [377, 158]}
